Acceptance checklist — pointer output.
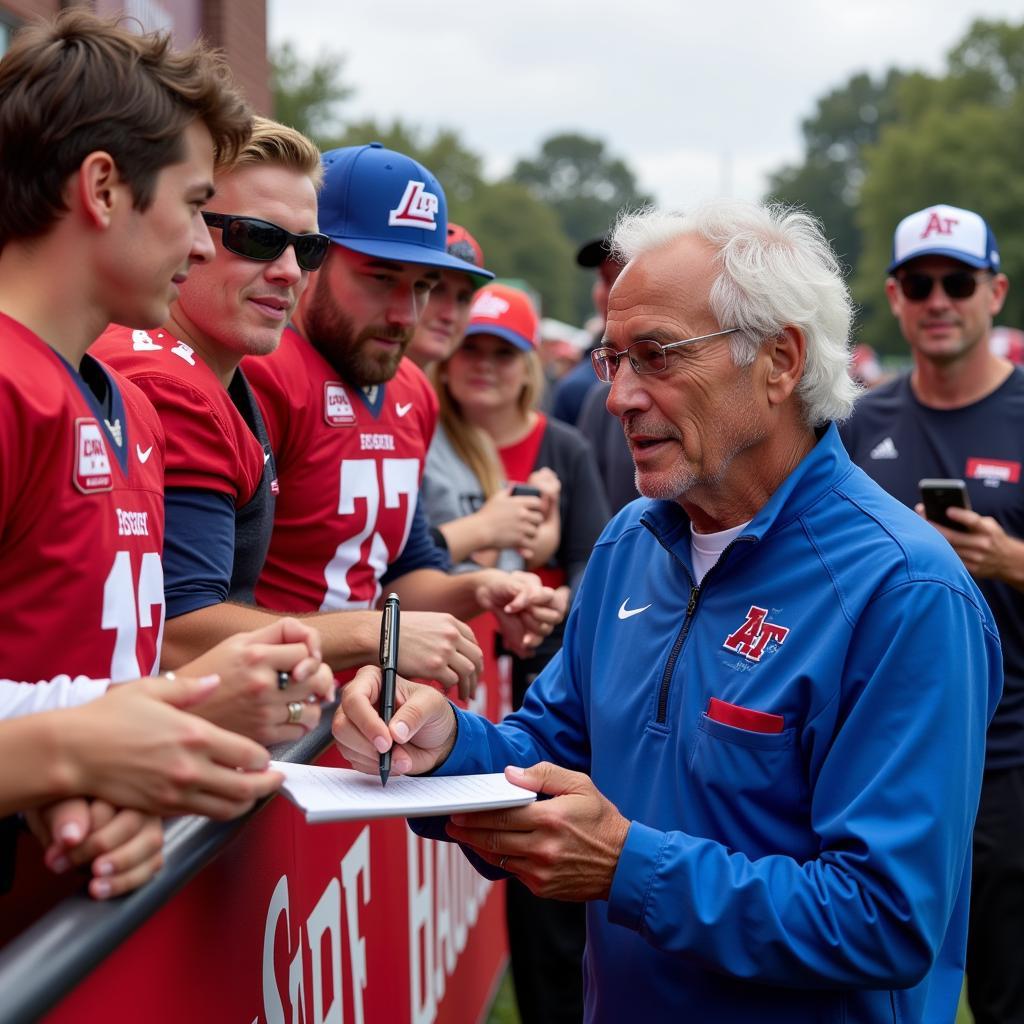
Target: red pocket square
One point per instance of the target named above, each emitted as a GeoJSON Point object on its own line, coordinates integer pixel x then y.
{"type": "Point", "coordinates": [743, 718]}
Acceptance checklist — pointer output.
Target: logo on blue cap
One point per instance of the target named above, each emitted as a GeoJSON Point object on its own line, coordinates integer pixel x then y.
{"type": "Point", "coordinates": [384, 204]}
{"type": "Point", "coordinates": [417, 208]}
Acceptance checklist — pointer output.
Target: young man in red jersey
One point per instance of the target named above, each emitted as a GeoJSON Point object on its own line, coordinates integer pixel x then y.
{"type": "Point", "coordinates": [110, 192]}
{"type": "Point", "coordinates": [350, 420]}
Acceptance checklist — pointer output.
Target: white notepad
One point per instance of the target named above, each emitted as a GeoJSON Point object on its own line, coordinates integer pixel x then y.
{"type": "Point", "coordinates": [341, 794]}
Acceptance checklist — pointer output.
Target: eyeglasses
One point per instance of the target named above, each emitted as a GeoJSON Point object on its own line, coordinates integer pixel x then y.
{"type": "Point", "coordinates": [257, 239]}
{"type": "Point", "coordinates": [959, 284]}
{"type": "Point", "coordinates": [645, 356]}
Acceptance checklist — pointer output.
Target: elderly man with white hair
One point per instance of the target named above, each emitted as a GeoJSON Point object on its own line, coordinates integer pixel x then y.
{"type": "Point", "coordinates": [763, 738]}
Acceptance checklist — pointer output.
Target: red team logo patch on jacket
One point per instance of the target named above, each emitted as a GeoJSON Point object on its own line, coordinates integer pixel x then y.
{"type": "Point", "coordinates": [92, 463]}
{"type": "Point", "coordinates": [755, 634]}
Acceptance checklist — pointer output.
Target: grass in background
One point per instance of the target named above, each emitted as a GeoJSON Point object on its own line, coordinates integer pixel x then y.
{"type": "Point", "coordinates": [504, 1009]}
{"type": "Point", "coordinates": [963, 1015]}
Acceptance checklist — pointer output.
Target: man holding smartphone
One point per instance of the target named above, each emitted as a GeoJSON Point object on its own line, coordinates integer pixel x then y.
{"type": "Point", "coordinates": [959, 416]}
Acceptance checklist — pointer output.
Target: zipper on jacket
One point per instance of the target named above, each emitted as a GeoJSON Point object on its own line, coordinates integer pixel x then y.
{"type": "Point", "coordinates": [666, 677]}
{"type": "Point", "coordinates": [691, 607]}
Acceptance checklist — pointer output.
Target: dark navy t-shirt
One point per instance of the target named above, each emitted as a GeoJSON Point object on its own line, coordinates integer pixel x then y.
{"type": "Point", "coordinates": [898, 441]}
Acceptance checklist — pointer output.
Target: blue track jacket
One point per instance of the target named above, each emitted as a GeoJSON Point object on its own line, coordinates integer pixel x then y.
{"type": "Point", "coordinates": [810, 868]}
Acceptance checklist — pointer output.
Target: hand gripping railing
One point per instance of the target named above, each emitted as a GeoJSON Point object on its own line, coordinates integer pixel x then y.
{"type": "Point", "coordinates": [47, 960]}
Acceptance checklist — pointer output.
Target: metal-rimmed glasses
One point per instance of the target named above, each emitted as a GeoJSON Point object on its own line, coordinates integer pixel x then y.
{"type": "Point", "coordinates": [645, 356]}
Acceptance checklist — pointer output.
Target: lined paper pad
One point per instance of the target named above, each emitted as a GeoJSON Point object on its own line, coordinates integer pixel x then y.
{"type": "Point", "coordinates": [342, 794]}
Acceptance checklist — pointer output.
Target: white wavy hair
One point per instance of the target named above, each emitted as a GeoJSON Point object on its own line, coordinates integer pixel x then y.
{"type": "Point", "coordinates": [777, 270]}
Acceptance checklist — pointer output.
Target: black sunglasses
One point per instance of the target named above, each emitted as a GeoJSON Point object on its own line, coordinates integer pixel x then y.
{"type": "Point", "coordinates": [959, 284]}
{"type": "Point", "coordinates": [257, 239]}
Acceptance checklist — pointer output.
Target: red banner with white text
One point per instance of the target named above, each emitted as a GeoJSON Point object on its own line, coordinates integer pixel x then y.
{"type": "Point", "coordinates": [292, 923]}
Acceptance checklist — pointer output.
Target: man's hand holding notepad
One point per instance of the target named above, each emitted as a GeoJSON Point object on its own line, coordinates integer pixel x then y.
{"type": "Point", "coordinates": [341, 794]}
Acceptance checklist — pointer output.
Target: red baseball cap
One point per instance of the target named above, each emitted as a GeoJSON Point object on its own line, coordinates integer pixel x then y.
{"type": "Point", "coordinates": [462, 245]}
{"type": "Point", "coordinates": [507, 313]}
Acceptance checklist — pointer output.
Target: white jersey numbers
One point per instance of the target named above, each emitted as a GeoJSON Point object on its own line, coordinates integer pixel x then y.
{"type": "Point", "coordinates": [127, 608]}
{"type": "Point", "coordinates": [375, 489]}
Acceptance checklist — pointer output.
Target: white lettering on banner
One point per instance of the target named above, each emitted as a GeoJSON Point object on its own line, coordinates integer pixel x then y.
{"type": "Point", "coordinates": [477, 704]}
{"type": "Point", "coordinates": [445, 897]}
{"type": "Point", "coordinates": [452, 900]}
{"type": "Point", "coordinates": [444, 955]}
{"type": "Point", "coordinates": [422, 996]}
{"type": "Point", "coordinates": [355, 863]}
{"type": "Point", "coordinates": [296, 982]}
{"type": "Point", "coordinates": [278, 905]}
{"type": "Point", "coordinates": [325, 919]}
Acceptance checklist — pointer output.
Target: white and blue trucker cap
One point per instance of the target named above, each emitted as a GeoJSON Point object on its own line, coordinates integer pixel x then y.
{"type": "Point", "coordinates": [945, 231]}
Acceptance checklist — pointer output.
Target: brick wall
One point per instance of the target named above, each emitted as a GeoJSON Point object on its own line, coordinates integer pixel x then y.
{"type": "Point", "coordinates": [239, 28]}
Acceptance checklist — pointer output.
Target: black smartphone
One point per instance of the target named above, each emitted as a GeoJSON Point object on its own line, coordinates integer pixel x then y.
{"type": "Point", "coordinates": [525, 491]}
{"type": "Point", "coordinates": [938, 495]}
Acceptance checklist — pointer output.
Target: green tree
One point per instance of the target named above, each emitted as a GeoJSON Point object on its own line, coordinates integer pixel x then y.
{"type": "Point", "coordinates": [967, 157]}
{"type": "Point", "coordinates": [586, 187]}
{"type": "Point", "coordinates": [876, 150]}
{"type": "Point", "coordinates": [584, 184]}
{"type": "Point", "coordinates": [307, 95]}
{"type": "Point", "coordinates": [458, 169]}
{"type": "Point", "coordinates": [523, 238]}
{"type": "Point", "coordinates": [828, 181]}
{"type": "Point", "coordinates": [992, 54]}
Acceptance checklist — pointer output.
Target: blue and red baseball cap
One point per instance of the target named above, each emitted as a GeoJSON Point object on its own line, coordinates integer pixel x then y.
{"type": "Point", "coordinates": [507, 313]}
{"type": "Point", "coordinates": [381, 203]}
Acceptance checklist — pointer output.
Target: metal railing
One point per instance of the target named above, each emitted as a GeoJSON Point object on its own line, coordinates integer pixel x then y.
{"type": "Point", "coordinates": [52, 955]}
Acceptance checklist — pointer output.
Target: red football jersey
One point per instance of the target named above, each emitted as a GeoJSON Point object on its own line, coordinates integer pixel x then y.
{"type": "Point", "coordinates": [209, 445]}
{"type": "Point", "coordinates": [81, 519]}
{"type": "Point", "coordinates": [349, 462]}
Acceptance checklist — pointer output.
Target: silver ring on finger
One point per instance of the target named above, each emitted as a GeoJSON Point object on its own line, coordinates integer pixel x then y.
{"type": "Point", "coordinates": [283, 679]}
{"type": "Point", "coordinates": [294, 712]}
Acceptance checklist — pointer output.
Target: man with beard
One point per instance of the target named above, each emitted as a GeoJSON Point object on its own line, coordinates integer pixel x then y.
{"type": "Point", "coordinates": [350, 421]}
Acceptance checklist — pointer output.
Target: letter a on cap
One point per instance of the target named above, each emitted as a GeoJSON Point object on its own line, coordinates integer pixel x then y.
{"type": "Point", "coordinates": [939, 225]}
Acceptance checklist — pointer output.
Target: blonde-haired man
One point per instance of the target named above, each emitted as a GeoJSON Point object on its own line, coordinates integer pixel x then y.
{"type": "Point", "coordinates": [221, 475]}
{"type": "Point", "coordinates": [220, 478]}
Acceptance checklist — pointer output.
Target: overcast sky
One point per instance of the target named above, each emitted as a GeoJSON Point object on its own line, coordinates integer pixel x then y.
{"type": "Point", "coordinates": [701, 99]}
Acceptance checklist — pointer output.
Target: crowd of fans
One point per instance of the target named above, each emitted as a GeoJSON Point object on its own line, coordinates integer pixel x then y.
{"type": "Point", "coordinates": [270, 383]}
